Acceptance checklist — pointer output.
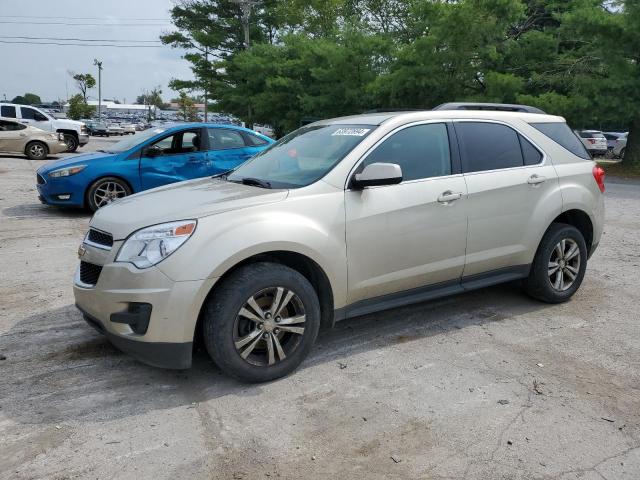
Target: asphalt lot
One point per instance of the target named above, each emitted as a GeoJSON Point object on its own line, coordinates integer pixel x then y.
{"type": "Point", "coordinates": [485, 385]}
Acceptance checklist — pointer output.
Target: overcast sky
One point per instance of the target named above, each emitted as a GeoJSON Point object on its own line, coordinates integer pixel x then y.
{"type": "Point", "coordinates": [43, 69]}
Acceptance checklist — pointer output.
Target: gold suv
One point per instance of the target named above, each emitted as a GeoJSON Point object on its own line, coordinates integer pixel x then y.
{"type": "Point", "coordinates": [342, 218]}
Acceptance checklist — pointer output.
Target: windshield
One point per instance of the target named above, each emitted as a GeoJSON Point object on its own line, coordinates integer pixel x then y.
{"type": "Point", "coordinates": [130, 142]}
{"type": "Point", "coordinates": [302, 157]}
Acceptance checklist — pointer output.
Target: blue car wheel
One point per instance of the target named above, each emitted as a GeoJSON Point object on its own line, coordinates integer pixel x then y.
{"type": "Point", "coordinates": [105, 190]}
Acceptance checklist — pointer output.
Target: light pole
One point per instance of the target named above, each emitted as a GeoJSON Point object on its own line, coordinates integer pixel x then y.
{"type": "Point", "coordinates": [99, 65]}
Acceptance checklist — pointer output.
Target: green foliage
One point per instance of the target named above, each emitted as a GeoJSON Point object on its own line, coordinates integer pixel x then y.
{"type": "Point", "coordinates": [323, 58]}
{"type": "Point", "coordinates": [84, 82]}
{"type": "Point", "coordinates": [153, 98]}
{"type": "Point", "coordinates": [78, 108]}
{"type": "Point", "coordinates": [27, 99]}
{"type": "Point", "coordinates": [186, 105]}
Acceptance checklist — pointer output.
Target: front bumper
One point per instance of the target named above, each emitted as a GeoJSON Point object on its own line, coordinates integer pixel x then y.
{"type": "Point", "coordinates": [67, 191]}
{"type": "Point", "coordinates": [166, 340]}
{"type": "Point", "coordinates": [56, 147]}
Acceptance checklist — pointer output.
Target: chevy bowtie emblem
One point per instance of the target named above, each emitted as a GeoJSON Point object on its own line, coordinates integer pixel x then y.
{"type": "Point", "coordinates": [81, 251]}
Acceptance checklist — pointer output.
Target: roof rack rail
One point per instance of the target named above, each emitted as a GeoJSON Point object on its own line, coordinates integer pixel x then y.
{"type": "Point", "coordinates": [501, 107]}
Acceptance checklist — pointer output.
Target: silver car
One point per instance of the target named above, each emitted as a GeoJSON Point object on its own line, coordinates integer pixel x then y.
{"type": "Point", "coordinates": [36, 144]}
{"type": "Point", "coordinates": [341, 218]}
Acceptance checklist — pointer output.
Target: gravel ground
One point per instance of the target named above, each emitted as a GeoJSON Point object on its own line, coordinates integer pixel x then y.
{"type": "Point", "coordinates": [485, 385]}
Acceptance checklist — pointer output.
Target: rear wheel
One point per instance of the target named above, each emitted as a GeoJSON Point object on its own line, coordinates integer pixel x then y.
{"type": "Point", "coordinates": [106, 190]}
{"type": "Point", "coordinates": [36, 151]}
{"type": "Point", "coordinates": [71, 141]}
{"type": "Point", "coordinates": [559, 265]}
{"type": "Point", "coordinates": [622, 152]}
{"type": "Point", "coordinates": [261, 322]}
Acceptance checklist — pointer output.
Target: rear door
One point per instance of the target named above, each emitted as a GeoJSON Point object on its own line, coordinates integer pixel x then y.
{"type": "Point", "coordinates": [12, 136]}
{"type": "Point", "coordinates": [173, 158]}
{"type": "Point", "coordinates": [227, 148]}
{"type": "Point", "coordinates": [509, 181]}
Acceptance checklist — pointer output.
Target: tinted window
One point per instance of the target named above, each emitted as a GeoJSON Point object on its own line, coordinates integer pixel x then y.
{"type": "Point", "coordinates": [531, 154]}
{"type": "Point", "coordinates": [223, 139]}
{"type": "Point", "coordinates": [254, 140]}
{"type": "Point", "coordinates": [10, 126]}
{"type": "Point", "coordinates": [32, 114]}
{"type": "Point", "coordinates": [421, 151]}
{"type": "Point", "coordinates": [561, 134]}
{"type": "Point", "coordinates": [488, 146]}
{"type": "Point", "coordinates": [8, 111]}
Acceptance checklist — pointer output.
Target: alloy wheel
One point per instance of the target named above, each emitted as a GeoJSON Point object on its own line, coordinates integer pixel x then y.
{"type": "Point", "coordinates": [107, 192]}
{"type": "Point", "coordinates": [269, 326]}
{"type": "Point", "coordinates": [37, 150]}
{"type": "Point", "coordinates": [564, 264]}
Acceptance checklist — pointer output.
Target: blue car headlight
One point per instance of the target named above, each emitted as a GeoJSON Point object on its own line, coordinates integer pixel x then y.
{"type": "Point", "coordinates": [67, 171]}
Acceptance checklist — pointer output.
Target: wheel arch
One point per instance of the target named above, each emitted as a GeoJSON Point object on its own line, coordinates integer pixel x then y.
{"type": "Point", "coordinates": [299, 262]}
{"type": "Point", "coordinates": [31, 142]}
{"type": "Point", "coordinates": [581, 220]}
{"type": "Point", "coordinates": [69, 131]}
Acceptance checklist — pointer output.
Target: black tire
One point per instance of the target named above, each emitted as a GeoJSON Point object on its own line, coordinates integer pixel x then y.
{"type": "Point", "coordinates": [36, 150]}
{"type": "Point", "coordinates": [221, 321]}
{"type": "Point", "coordinates": [71, 141]}
{"type": "Point", "coordinates": [539, 284]}
{"type": "Point", "coordinates": [622, 152]}
{"type": "Point", "coordinates": [116, 184]}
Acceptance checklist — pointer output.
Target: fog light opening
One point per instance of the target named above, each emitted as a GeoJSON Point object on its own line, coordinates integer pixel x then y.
{"type": "Point", "coordinates": [64, 196]}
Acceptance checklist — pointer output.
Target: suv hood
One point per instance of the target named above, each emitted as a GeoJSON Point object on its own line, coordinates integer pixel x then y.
{"type": "Point", "coordinates": [73, 160]}
{"type": "Point", "coordinates": [70, 124]}
{"type": "Point", "coordinates": [179, 201]}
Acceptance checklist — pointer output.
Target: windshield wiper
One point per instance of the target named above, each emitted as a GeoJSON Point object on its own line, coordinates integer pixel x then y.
{"type": "Point", "coordinates": [255, 182]}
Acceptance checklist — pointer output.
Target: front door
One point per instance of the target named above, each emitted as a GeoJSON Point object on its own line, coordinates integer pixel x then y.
{"type": "Point", "coordinates": [33, 117]}
{"type": "Point", "coordinates": [412, 234]}
{"type": "Point", "coordinates": [227, 149]}
{"type": "Point", "coordinates": [12, 136]}
{"type": "Point", "coordinates": [510, 186]}
{"type": "Point", "coordinates": [173, 158]}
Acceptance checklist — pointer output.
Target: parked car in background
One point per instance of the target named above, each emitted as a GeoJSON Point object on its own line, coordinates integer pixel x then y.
{"type": "Point", "coordinates": [75, 133]}
{"type": "Point", "coordinates": [97, 129]}
{"type": "Point", "coordinates": [620, 146]}
{"type": "Point", "coordinates": [150, 159]}
{"type": "Point", "coordinates": [265, 130]}
{"type": "Point", "coordinates": [115, 129]}
{"type": "Point", "coordinates": [594, 141]}
{"type": "Point", "coordinates": [341, 218]}
{"type": "Point", "coordinates": [128, 128]}
{"type": "Point", "coordinates": [612, 138]}
{"type": "Point", "coordinates": [16, 137]}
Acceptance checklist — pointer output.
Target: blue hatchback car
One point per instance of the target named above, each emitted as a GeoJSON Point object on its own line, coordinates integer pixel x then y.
{"type": "Point", "coordinates": [151, 159]}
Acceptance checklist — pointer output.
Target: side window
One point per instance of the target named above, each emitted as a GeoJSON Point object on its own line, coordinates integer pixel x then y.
{"type": "Point", "coordinates": [560, 133]}
{"type": "Point", "coordinates": [10, 126]}
{"type": "Point", "coordinates": [165, 146]}
{"type": "Point", "coordinates": [8, 111]}
{"type": "Point", "coordinates": [488, 146]}
{"type": "Point", "coordinates": [223, 139]}
{"type": "Point", "coordinates": [421, 151]}
{"type": "Point", "coordinates": [28, 113]}
{"type": "Point", "coordinates": [531, 154]}
{"type": "Point", "coordinates": [38, 117]}
{"type": "Point", "coordinates": [191, 142]}
{"type": "Point", "coordinates": [254, 140]}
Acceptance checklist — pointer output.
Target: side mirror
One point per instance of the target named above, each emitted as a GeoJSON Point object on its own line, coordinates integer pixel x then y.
{"type": "Point", "coordinates": [377, 174]}
{"type": "Point", "coordinates": [152, 151]}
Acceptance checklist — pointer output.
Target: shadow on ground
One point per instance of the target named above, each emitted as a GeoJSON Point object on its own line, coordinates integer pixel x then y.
{"type": "Point", "coordinates": [38, 210]}
{"type": "Point", "coordinates": [58, 368]}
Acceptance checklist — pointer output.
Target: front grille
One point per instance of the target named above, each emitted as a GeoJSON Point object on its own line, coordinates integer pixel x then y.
{"type": "Point", "coordinates": [100, 238]}
{"type": "Point", "coordinates": [40, 179]}
{"type": "Point", "coordinates": [89, 273]}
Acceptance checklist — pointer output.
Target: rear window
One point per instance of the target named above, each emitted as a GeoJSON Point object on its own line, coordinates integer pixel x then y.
{"type": "Point", "coordinates": [561, 134]}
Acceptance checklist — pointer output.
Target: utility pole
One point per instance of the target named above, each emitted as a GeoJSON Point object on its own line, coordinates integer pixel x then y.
{"type": "Point", "coordinates": [245, 6]}
{"type": "Point", "coordinates": [206, 93]}
{"type": "Point", "coordinates": [99, 65]}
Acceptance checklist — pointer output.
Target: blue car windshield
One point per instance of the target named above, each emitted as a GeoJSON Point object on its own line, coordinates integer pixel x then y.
{"type": "Point", "coordinates": [302, 157]}
{"type": "Point", "coordinates": [131, 142]}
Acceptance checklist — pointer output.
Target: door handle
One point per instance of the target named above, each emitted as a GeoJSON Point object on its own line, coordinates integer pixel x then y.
{"type": "Point", "coordinates": [536, 179]}
{"type": "Point", "coordinates": [449, 196]}
{"type": "Point", "coordinates": [23, 134]}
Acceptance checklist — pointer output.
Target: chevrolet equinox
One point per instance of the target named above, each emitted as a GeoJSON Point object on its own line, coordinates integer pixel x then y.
{"type": "Point", "coordinates": [341, 218]}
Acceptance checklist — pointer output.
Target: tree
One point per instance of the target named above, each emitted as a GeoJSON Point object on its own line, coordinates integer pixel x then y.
{"type": "Point", "coordinates": [78, 108]}
{"type": "Point", "coordinates": [85, 82]}
{"type": "Point", "coordinates": [187, 107]}
{"type": "Point", "coordinates": [27, 99]}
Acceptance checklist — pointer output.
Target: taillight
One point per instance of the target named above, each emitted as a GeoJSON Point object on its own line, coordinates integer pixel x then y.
{"type": "Point", "coordinates": [591, 140]}
{"type": "Point", "coordinates": [599, 174]}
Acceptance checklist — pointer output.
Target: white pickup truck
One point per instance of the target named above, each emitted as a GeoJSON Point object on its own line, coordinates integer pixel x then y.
{"type": "Point", "coordinates": [75, 133]}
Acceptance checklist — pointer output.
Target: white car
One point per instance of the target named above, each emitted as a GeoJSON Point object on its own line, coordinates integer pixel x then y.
{"type": "Point", "coordinates": [115, 129]}
{"type": "Point", "coordinates": [594, 141]}
{"type": "Point", "coordinates": [75, 133]}
{"type": "Point", "coordinates": [128, 128]}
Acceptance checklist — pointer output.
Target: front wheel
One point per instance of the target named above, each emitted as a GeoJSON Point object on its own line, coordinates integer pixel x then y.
{"type": "Point", "coordinates": [261, 322]}
{"type": "Point", "coordinates": [106, 190]}
{"type": "Point", "coordinates": [71, 141]}
{"type": "Point", "coordinates": [559, 265]}
{"type": "Point", "coordinates": [37, 151]}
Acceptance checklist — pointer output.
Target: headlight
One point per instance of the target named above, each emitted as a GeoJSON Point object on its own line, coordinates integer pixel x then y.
{"type": "Point", "coordinates": [55, 136]}
{"type": "Point", "coordinates": [67, 172]}
{"type": "Point", "coordinates": [61, 137]}
{"type": "Point", "coordinates": [151, 245]}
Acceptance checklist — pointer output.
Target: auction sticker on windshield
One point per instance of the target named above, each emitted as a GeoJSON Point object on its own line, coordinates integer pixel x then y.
{"type": "Point", "coordinates": [351, 132]}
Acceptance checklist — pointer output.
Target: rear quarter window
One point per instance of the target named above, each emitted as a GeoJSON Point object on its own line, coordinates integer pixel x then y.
{"type": "Point", "coordinates": [561, 134]}
{"type": "Point", "coordinates": [8, 111]}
